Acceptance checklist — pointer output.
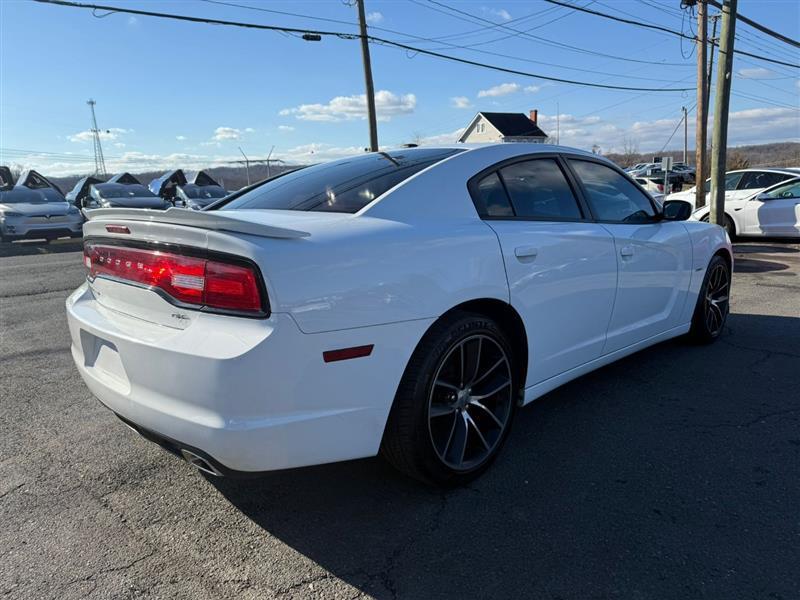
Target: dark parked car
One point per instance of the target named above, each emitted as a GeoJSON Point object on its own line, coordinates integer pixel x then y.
{"type": "Point", "coordinates": [122, 191]}
{"type": "Point", "coordinates": [82, 190]}
{"type": "Point", "coordinates": [35, 208]}
{"type": "Point", "coordinates": [194, 190]}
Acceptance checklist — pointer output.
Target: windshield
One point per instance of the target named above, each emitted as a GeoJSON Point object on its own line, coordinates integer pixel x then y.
{"type": "Point", "coordinates": [346, 185]}
{"type": "Point", "coordinates": [21, 195]}
{"type": "Point", "coordinates": [202, 192]}
{"type": "Point", "coordinates": [786, 190]}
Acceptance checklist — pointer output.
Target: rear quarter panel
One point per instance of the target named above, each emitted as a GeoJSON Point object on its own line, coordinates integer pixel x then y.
{"type": "Point", "coordinates": [706, 240]}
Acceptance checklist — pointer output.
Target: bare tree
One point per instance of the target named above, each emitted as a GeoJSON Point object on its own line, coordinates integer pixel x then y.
{"type": "Point", "coordinates": [630, 152]}
{"type": "Point", "coordinates": [736, 160]}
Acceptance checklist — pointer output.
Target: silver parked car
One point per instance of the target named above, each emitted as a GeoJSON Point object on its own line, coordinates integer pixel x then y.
{"type": "Point", "coordinates": [35, 208]}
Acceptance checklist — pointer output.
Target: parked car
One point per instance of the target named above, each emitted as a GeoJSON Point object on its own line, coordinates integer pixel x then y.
{"type": "Point", "coordinates": [403, 302]}
{"type": "Point", "coordinates": [194, 190]}
{"type": "Point", "coordinates": [771, 212]}
{"type": "Point", "coordinates": [122, 191]}
{"type": "Point", "coordinates": [6, 179]}
{"type": "Point", "coordinates": [82, 190]}
{"type": "Point", "coordinates": [686, 172]}
{"type": "Point", "coordinates": [742, 183]}
{"type": "Point", "coordinates": [34, 208]}
{"type": "Point", "coordinates": [643, 169]}
{"type": "Point", "coordinates": [655, 185]}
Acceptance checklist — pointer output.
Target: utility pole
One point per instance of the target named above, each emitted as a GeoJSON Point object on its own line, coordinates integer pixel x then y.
{"type": "Point", "coordinates": [99, 160]}
{"type": "Point", "coordinates": [246, 164]}
{"type": "Point", "coordinates": [558, 125]}
{"type": "Point", "coordinates": [373, 124]}
{"type": "Point", "coordinates": [719, 140]}
{"type": "Point", "coordinates": [700, 167]}
{"type": "Point", "coordinates": [712, 42]}
{"type": "Point", "coordinates": [685, 134]}
{"type": "Point", "coordinates": [269, 156]}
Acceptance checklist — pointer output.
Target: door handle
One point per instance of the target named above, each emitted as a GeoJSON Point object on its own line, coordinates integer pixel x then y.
{"type": "Point", "coordinates": [526, 252]}
{"type": "Point", "coordinates": [626, 251]}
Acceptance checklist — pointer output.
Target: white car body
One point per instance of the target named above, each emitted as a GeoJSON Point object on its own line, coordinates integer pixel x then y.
{"type": "Point", "coordinates": [774, 211]}
{"type": "Point", "coordinates": [741, 184]}
{"type": "Point", "coordinates": [255, 394]}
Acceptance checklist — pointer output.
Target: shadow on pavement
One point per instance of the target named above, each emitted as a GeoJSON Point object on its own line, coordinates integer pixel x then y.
{"type": "Point", "coordinates": [26, 248]}
{"type": "Point", "coordinates": [647, 478]}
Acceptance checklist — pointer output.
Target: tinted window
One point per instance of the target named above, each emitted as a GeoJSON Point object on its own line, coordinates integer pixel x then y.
{"type": "Point", "coordinates": [492, 199]}
{"type": "Point", "coordinates": [538, 188]}
{"type": "Point", "coordinates": [787, 190]}
{"type": "Point", "coordinates": [346, 185]}
{"type": "Point", "coordinates": [757, 180]}
{"type": "Point", "coordinates": [611, 196]}
{"type": "Point", "coordinates": [731, 181]}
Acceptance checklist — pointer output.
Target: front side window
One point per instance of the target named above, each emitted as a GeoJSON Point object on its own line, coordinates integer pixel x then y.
{"type": "Point", "coordinates": [539, 189]}
{"type": "Point", "coordinates": [731, 181]}
{"type": "Point", "coordinates": [346, 185]}
{"type": "Point", "coordinates": [788, 190]}
{"type": "Point", "coordinates": [611, 196]}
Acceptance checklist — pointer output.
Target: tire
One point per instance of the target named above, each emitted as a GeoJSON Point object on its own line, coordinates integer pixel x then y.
{"type": "Point", "coordinates": [728, 225]}
{"type": "Point", "coordinates": [713, 303]}
{"type": "Point", "coordinates": [449, 422]}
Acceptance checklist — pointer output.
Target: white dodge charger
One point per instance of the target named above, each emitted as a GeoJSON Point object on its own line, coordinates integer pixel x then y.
{"type": "Point", "coordinates": [402, 303]}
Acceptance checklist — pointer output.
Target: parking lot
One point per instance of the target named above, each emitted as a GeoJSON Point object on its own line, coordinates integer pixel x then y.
{"type": "Point", "coordinates": [674, 473]}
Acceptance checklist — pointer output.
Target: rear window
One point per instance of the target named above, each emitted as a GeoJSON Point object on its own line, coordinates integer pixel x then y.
{"type": "Point", "coordinates": [346, 185]}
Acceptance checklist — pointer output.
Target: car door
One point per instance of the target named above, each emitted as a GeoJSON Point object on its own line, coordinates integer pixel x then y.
{"type": "Point", "coordinates": [654, 257]}
{"type": "Point", "coordinates": [774, 212]}
{"type": "Point", "coordinates": [561, 268]}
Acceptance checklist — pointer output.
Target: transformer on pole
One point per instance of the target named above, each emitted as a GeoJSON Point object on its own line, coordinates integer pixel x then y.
{"type": "Point", "coordinates": [99, 161]}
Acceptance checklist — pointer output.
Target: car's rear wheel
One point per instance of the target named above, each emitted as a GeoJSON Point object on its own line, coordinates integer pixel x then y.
{"type": "Point", "coordinates": [728, 225]}
{"type": "Point", "coordinates": [713, 303]}
{"type": "Point", "coordinates": [455, 403]}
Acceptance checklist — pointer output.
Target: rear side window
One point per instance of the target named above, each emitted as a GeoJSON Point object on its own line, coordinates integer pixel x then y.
{"type": "Point", "coordinates": [492, 198]}
{"type": "Point", "coordinates": [539, 189]}
{"type": "Point", "coordinates": [611, 196]}
{"type": "Point", "coordinates": [346, 185]}
{"type": "Point", "coordinates": [756, 180]}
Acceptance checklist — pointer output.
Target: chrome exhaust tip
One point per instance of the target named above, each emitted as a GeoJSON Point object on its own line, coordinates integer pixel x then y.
{"type": "Point", "coordinates": [199, 463]}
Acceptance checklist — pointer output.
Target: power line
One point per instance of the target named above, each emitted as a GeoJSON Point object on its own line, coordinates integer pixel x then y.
{"type": "Point", "coordinates": [459, 46]}
{"type": "Point", "coordinates": [342, 35]}
{"type": "Point", "coordinates": [659, 28]}
{"type": "Point", "coordinates": [759, 26]}
{"type": "Point", "coordinates": [542, 40]}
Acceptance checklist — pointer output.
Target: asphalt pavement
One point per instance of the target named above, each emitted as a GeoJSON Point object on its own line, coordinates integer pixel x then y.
{"type": "Point", "coordinates": [674, 473]}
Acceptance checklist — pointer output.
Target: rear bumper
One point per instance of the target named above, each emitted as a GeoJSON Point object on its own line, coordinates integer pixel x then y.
{"type": "Point", "coordinates": [250, 395]}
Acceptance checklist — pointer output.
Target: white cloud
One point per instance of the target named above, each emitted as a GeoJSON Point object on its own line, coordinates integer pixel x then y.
{"type": "Point", "coordinates": [500, 13]}
{"type": "Point", "coordinates": [133, 21]}
{"type": "Point", "coordinates": [442, 139]}
{"type": "Point", "coordinates": [105, 135]}
{"type": "Point", "coordinates": [285, 128]}
{"type": "Point", "coordinates": [226, 134]}
{"type": "Point", "coordinates": [460, 102]}
{"type": "Point", "coordinates": [180, 138]}
{"type": "Point", "coordinates": [532, 89]}
{"type": "Point", "coordinates": [374, 17]}
{"type": "Point", "coordinates": [249, 130]}
{"type": "Point", "coordinates": [504, 89]}
{"type": "Point", "coordinates": [755, 73]}
{"type": "Point", "coordinates": [347, 108]}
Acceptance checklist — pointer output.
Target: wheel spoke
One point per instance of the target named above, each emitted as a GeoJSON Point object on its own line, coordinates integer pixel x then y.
{"type": "Point", "coordinates": [440, 410]}
{"type": "Point", "coordinates": [493, 392]}
{"type": "Point", "coordinates": [444, 384]}
{"type": "Point", "coordinates": [489, 371]}
{"type": "Point", "coordinates": [474, 402]}
{"type": "Point", "coordinates": [450, 436]}
{"type": "Point", "coordinates": [470, 421]}
{"type": "Point", "coordinates": [458, 442]}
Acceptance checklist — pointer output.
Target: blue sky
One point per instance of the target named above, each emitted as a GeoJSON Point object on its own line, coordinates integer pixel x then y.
{"type": "Point", "coordinates": [172, 94]}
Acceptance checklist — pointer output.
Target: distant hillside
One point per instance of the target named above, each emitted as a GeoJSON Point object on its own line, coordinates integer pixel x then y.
{"type": "Point", "coordinates": [231, 178]}
{"type": "Point", "coordinates": [784, 154]}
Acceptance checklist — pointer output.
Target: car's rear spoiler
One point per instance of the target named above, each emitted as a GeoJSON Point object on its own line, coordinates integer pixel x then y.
{"type": "Point", "coordinates": [216, 220]}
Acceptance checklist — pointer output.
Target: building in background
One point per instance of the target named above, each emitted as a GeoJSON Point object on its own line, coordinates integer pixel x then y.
{"type": "Point", "coordinates": [503, 127]}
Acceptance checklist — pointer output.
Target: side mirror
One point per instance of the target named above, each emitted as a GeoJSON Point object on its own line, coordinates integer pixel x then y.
{"type": "Point", "coordinates": [763, 197]}
{"type": "Point", "coordinates": [677, 210]}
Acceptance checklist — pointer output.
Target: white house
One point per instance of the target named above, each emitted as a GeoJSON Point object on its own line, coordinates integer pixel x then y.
{"type": "Point", "coordinates": [503, 127]}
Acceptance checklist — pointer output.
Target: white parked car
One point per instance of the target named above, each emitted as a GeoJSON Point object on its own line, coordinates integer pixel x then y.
{"type": "Point", "coordinates": [402, 302]}
{"type": "Point", "coordinates": [772, 212]}
{"type": "Point", "coordinates": [742, 183]}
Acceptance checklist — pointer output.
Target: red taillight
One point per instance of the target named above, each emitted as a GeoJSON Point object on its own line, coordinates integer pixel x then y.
{"type": "Point", "coordinates": [187, 279]}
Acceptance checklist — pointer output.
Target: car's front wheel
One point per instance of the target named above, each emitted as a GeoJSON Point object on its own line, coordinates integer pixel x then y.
{"type": "Point", "coordinates": [713, 302]}
{"type": "Point", "coordinates": [455, 403]}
